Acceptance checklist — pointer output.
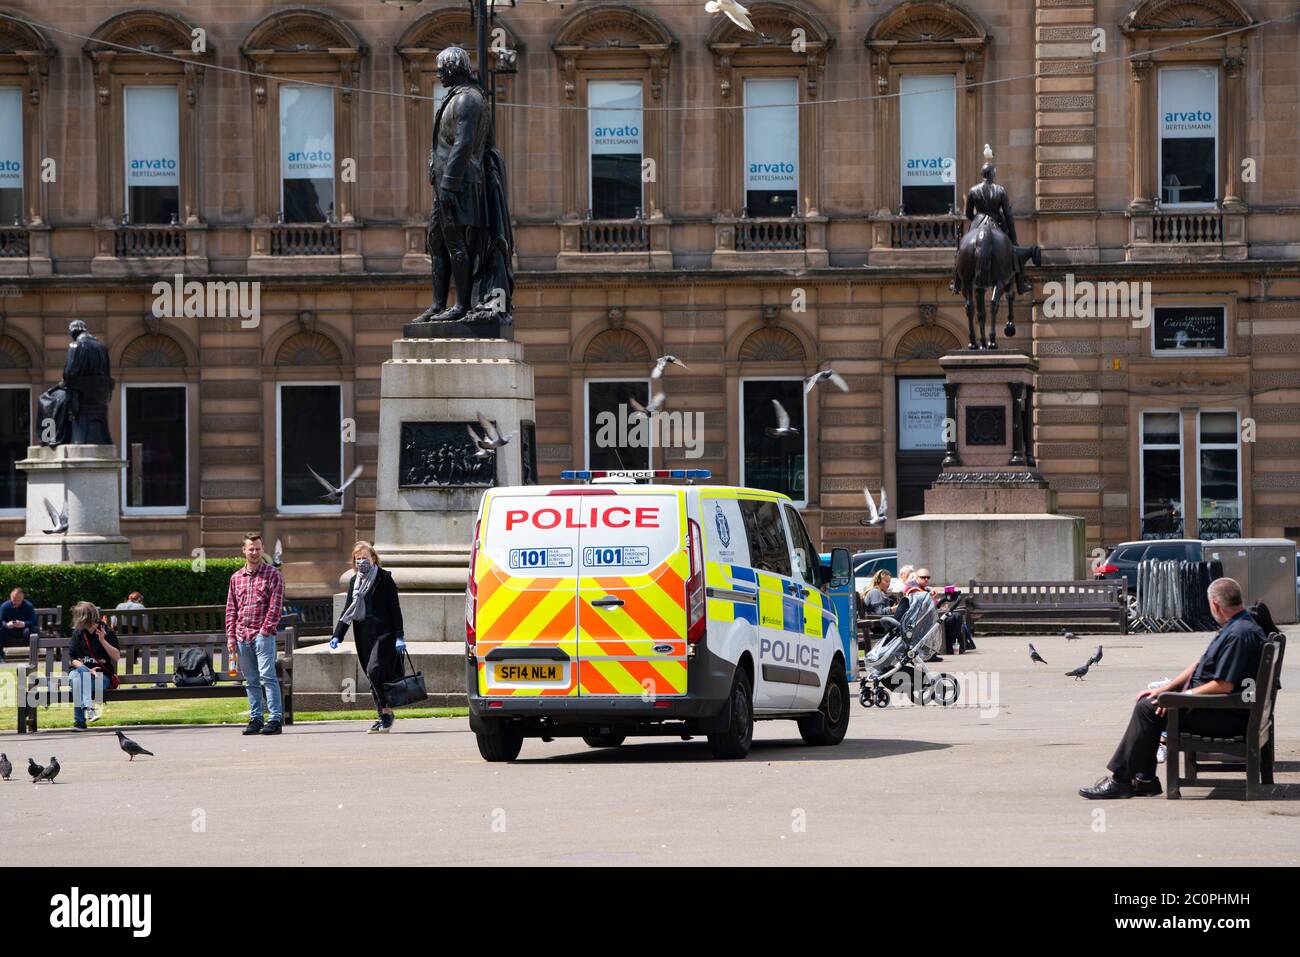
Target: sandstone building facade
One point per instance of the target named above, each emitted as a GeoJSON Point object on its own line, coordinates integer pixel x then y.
{"type": "Point", "coordinates": [759, 208]}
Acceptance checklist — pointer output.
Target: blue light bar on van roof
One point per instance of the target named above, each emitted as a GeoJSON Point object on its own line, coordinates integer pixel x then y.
{"type": "Point", "coordinates": [586, 475]}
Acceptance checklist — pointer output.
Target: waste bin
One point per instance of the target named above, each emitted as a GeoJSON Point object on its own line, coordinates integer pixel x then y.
{"type": "Point", "coordinates": [1266, 569]}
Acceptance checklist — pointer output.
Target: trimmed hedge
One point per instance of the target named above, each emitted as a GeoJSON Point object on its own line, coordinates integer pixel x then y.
{"type": "Point", "coordinates": [163, 583]}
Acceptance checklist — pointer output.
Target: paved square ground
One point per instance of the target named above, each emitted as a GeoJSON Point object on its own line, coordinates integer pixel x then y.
{"type": "Point", "coordinates": [909, 786]}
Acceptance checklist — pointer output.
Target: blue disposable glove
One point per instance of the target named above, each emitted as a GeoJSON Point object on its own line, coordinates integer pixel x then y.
{"type": "Point", "coordinates": [334, 643]}
{"type": "Point", "coordinates": [401, 643]}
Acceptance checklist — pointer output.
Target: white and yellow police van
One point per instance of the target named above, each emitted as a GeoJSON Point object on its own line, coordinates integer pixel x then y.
{"type": "Point", "coordinates": [627, 606]}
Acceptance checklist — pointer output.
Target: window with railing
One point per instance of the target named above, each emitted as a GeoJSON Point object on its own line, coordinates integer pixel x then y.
{"type": "Point", "coordinates": [1218, 491]}
{"type": "Point", "coordinates": [1162, 475]}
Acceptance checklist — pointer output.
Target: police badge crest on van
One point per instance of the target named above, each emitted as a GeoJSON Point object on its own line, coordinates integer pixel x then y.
{"type": "Point", "coordinates": [629, 606]}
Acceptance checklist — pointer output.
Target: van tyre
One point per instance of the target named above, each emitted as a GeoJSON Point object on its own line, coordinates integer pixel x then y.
{"type": "Point", "coordinates": [604, 740]}
{"type": "Point", "coordinates": [500, 743]}
{"type": "Point", "coordinates": [736, 740]}
{"type": "Point", "coordinates": [829, 724]}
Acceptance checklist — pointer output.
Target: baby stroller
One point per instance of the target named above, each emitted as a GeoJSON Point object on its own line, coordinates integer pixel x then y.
{"type": "Point", "coordinates": [897, 662]}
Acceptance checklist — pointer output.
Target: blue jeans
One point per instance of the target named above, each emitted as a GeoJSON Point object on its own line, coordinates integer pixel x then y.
{"type": "Point", "coordinates": [257, 665]}
{"type": "Point", "coordinates": [85, 684]}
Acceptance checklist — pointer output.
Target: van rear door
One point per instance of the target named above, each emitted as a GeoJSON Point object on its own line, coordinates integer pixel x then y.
{"type": "Point", "coordinates": [633, 563]}
{"type": "Point", "coordinates": [527, 576]}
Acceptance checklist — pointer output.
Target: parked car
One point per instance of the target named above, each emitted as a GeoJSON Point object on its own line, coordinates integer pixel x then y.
{"type": "Point", "coordinates": [1123, 559]}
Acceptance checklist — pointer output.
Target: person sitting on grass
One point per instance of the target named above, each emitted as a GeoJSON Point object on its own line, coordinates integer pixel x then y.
{"type": "Point", "coordinates": [1231, 658]}
{"type": "Point", "coordinates": [92, 662]}
{"type": "Point", "coordinates": [18, 619]}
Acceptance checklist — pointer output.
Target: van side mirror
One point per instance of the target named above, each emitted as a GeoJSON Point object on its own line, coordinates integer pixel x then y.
{"type": "Point", "coordinates": [841, 574]}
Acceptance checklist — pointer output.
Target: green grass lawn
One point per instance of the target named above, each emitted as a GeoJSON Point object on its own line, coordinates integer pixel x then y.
{"type": "Point", "coordinates": [198, 711]}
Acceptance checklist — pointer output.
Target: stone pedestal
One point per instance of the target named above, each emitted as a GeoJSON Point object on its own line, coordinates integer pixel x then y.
{"type": "Point", "coordinates": [990, 515]}
{"type": "Point", "coordinates": [87, 480]}
{"type": "Point", "coordinates": [424, 515]}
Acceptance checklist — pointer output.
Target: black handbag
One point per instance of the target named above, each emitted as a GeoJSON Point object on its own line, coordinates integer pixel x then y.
{"type": "Point", "coordinates": [408, 689]}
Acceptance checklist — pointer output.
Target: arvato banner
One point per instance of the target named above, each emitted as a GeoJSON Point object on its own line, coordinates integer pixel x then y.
{"type": "Point", "coordinates": [927, 109]}
{"type": "Point", "coordinates": [1188, 99]}
{"type": "Point", "coordinates": [152, 136]}
{"type": "Point", "coordinates": [306, 132]}
{"type": "Point", "coordinates": [614, 117]}
{"type": "Point", "coordinates": [772, 134]}
{"type": "Point", "coordinates": [11, 138]}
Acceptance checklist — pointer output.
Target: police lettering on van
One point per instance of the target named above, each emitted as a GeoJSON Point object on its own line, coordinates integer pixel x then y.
{"type": "Point", "coordinates": [629, 606]}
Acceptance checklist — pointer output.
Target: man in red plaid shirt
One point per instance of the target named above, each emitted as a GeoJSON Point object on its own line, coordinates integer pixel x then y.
{"type": "Point", "coordinates": [253, 607]}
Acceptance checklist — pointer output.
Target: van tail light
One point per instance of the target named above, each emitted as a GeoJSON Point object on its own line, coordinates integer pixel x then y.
{"type": "Point", "coordinates": [471, 596]}
{"type": "Point", "coordinates": [696, 621]}
{"type": "Point", "coordinates": [1107, 569]}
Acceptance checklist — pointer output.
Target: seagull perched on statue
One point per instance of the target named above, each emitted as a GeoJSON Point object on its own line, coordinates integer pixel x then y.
{"type": "Point", "coordinates": [878, 515]}
{"type": "Point", "coordinates": [734, 11]}
{"type": "Point", "coordinates": [333, 494]}
{"type": "Point", "coordinates": [783, 426]}
{"type": "Point", "coordinates": [830, 375]}
{"type": "Point", "coordinates": [664, 362]}
{"type": "Point", "coordinates": [60, 519]}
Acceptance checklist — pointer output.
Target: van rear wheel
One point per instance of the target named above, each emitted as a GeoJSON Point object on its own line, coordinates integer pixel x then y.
{"type": "Point", "coordinates": [501, 743]}
{"type": "Point", "coordinates": [829, 724]}
{"type": "Point", "coordinates": [736, 740]}
{"type": "Point", "coordinates": [604, 740]}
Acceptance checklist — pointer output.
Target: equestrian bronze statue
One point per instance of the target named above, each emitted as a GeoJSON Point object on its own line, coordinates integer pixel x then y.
{"type": "Point", "coordinates": [470, 240]}
{"type": "Point", "coordinates": [989, 259]}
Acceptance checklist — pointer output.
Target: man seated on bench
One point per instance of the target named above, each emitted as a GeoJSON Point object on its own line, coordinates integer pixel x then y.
{"type": "Point", "coordinates": [1231, 657]}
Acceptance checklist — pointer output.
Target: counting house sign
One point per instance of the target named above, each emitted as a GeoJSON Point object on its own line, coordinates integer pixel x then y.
{"type": "Point", "coordinates": [1183, 329]}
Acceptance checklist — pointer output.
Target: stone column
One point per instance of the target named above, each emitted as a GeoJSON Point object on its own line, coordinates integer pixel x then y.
{"type": "Point", "coordinates": [1235, 113]}
{"type": "Point", "coordinates": [1140, 132]}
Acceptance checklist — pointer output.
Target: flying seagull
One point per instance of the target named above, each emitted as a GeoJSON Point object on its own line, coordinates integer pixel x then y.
{"type": "Point", "coordinates": [1078, 673]}
{"type": "Point", "coordinates": [654, 408]}
{"type": "Point", "coordinates": [6, 768]}
{"type": "Point", "coordinates": [277, 559]}
{"type": "Point", "coordinates": [130, 747]}
{"type": "Point", "coordinates": [783, 426]}
{"type": "Point", "coordinates": [60, 519]}
{"type": "Point", "coordinates": [1035, 657]}
{"type": "Point", "coordinates": [49, 772]}
{"type": "Point", "coordinates": [333, 494]}
{"type": "Point", "coordinates": [664, 362]}
{"type": "Point", "coordinates": [490, 440]}
{"type": "Point", "coordinates": [1095, 657]}
{"type": "Point", "coordinates": [734, 11]}
{"type": "Point", "coordinates": [34, 769]}
{"type": "Point", "coordinates": [835, 378]}
{"type": "Point", "coordinates": [878, 515]}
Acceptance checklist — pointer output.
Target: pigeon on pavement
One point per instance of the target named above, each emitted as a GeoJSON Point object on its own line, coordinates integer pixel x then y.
{"type": "Point", "coordinates": [1078, 673]}
{"type": "Point", "coordinates": [1095, 658]}
{"type": "Point", "coordinates": [130, 747]}
{"type": "Point", "coordinates": [1070, 636]}
{"type": "Point", "coordinates": [49, 772]}
{"type": "Point", "coordinates": [1035, 657]}
{"type": "Point", "coordinates": [664, 362]}
{"type": "Point", "coordinates": [34, 769]}
{"type": "Point", "coordinates": [6, 768]}
{"type": "Point", "coordinates": [333, 494]}
{"type": "Point", "coordinates": [783, 426]}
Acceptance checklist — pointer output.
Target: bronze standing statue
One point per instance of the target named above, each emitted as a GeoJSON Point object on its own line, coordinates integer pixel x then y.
{"type": "Point", "coordinates": [469, 239]}
{"type": "Point", "coordinates": [78, 404]}
{"type": "Point", "coordinates": [989, 259]}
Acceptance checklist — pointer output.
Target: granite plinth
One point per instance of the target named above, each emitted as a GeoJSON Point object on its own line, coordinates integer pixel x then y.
{"type": "Point", "coordinates": [499, 327]}
{"type": "Point", "coordinates": [86, 481]}
{"type": "Point", "coordinates": [1027, 547]}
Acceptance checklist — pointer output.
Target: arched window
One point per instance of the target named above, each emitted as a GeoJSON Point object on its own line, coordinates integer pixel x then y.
{"type": "Point", "coordinates": [1188, 128]}
{"type": "Point", "coordinates": [17, 376]}
{"type": "Point", "coordinates": [614, 65]}
{"type": "Point", "coordinates": [146, 136]}
{"type": "Point", "coordinates": [926, 57]}
{"type": "Point", "coordinates": [771, 364]}
{"type": "Point", "coordinates": [24, 71]}
{"type": "Point", "coordinates": [304, 134]}
{"type": "Point", "coordinates": [617, 363]}
{"type": "Point", "coordinates": [419, 48]}
{"type": "Point", "coordinates": [156, 375]}
{"type": "Point", "coordinates": [769, 164]}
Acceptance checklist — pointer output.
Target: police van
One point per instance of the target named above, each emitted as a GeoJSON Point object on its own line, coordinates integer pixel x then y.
{"type": "Point", "coordinates": [630, 606]}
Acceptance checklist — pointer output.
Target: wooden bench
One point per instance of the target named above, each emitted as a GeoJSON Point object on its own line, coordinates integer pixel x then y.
{"type": "Point", "coordinates": [1209, 753]}
{"type": "Point", "coordinates": [1035, 608]}
{"type": "Point", "coordinates": [48, 622]}
{"type": "Point", "coordinates": [168, 620]}
{"type": "Point", "coordinates": [146, 662]}
{"type": "Point", "coordinates": [315, 616]}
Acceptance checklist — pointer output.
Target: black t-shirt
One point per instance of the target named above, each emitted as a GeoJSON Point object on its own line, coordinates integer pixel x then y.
{"type": "Point", "coordinates": [86, 644]}
{"type": "Point", "coordinates": [1233, 654]}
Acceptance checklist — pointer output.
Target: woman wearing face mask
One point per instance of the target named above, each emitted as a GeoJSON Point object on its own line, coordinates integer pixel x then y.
{"type": "Point", "coordinates": [373, 611]}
